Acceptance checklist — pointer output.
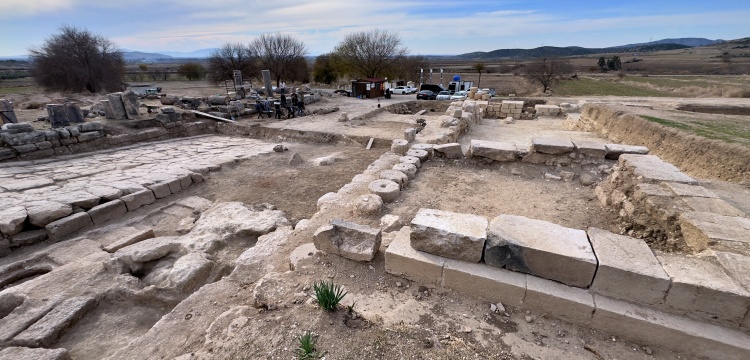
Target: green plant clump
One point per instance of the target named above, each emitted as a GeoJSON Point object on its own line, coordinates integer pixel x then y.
{"type": "Point", "coordinates": [328, 295]}
{"type": "Point", "coordinates": [306, 349]}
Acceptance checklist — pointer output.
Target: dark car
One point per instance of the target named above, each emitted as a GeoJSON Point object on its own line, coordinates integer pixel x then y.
{"type": "Point", "coordinates": [342, 92]}
{"type": "Point", "coordinates": [426, 95]}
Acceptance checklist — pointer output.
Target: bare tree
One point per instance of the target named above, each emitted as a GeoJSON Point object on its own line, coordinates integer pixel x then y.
{"type": "Point", "coordinates": [77, 60]}
{"type": "Point", "coordinates": [479, 67]}
{"type": "Point", "coordinates": [224, 60]}
{"type": "Point", "coordinates": [279, 53]}
{"type": "Point", "coordinates": [547, 70]}
{"type": "Point", "coordinates": [369, 53]}
{"type": "Point", "coordinates": [409, 66]}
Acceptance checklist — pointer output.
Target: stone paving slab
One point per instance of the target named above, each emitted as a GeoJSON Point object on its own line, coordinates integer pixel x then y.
{"type": "Point", "coordinates": [590, 148]}
{"type": "Point", "coordinates": [614, 151]}
{"type": "Point", "coordinates": [690, 190]}
{"type": "Point", "coordinates": [540, 248]}
{"type": "Point", "coordinates": [552, 145]}
{"type": "Point", "coordinates": [627, 268]}
{"type": "Point", "coordinates": [494, 150]}
{"type": "Point", "coordinates": [701, 229]}
{"type": "Point", "coordinates": [653, 169]}
{"type": "Point", "coordinates": [712, 205]}
{"type": "Point", "coordinates": [49, 328]}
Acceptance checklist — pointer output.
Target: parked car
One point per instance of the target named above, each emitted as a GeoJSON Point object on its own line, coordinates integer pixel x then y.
{"type": "Point", "coordinates": [443, 95]}
{"type": "Point", "coordinates": [342, 92]}
{"type": "Point", "coordinates": [461, 95]}
{"type": "Point", "coordinates": [403, 90]}
{"type": "Point", "coordinates": [426, 95]}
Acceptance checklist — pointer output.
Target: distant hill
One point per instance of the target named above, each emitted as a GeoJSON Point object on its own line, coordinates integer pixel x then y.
{"type": "Point", "coordinates": [197, 54]}
{"type": "Point", "coordinates": [554, 51]}
{"type": "Point", "coordinates": [691, 42]}
{"type": "Point", "coordinates": [137, 55]}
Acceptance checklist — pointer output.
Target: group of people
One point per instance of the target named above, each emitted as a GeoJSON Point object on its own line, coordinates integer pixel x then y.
{"type": "Point", "coordinates": [293, 107]}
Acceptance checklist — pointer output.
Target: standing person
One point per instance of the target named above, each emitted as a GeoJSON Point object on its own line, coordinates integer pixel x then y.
{"type": "Point", "coordinates": [283, 100]}
{"type": "Point", "coordinates": [283, 87]}
{"type": "Point", "coordinates": [388, 93]}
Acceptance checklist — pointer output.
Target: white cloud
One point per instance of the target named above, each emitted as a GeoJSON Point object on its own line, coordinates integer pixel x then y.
{"type": "Point", "coordinates": [14, 8]}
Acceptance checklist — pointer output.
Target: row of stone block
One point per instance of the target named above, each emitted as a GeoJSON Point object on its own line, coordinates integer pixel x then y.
{"type": "Point", "coordinates": [613, 265]}
{"type": "Point", "coordinates": [547, 110]}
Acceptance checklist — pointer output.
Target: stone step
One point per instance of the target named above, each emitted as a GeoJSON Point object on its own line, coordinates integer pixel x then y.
{"type": "Point", "coordinates": [49, 328]}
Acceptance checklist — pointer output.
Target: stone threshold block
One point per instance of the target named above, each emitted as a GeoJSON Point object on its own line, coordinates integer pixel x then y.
{"type": "Point", "coordinates": [552, 146]}
{"type": "Point", "coordinates": [628, 269]}
{"type": "Point", "coordinates": [493, 150]}
{"type": "Point", "coordinates": [352, 241]}
{"type": "Point", "coordinates": [592, 149]}
{"type": "Point", "coordinates": [562, 301]}
{"type": "Point", "coordinates": [647, 326]}
{"type": "Point", "coordinates": [701, 229]}
{"type": "Point", "coordinates": [448, 234]}
{"type": "Point", "coordinates": [540, 248]}
{"type": "Point", "coordinates": [614, 151]}
{"type": "Point", "coordinates": [485, 282]}
{"type": "Point", "coordinates": [50, 327]}
{"type": "Point", "coordinates": [401, 259]}
{"type": "Point", "coordinates": [654, 169]}
{"type": "Point", "coordinates": [108, 211]}
{"type": "Point", "coordinates": [139, 199]}
{"type": "Point", "coordinates": [701, 289]}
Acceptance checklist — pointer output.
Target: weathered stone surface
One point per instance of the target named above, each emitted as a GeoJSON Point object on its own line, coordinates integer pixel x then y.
{"type": "Point", "coordinates": [369, 204]}
{"type": "Point", "coordinates": [269, 291]}
{"type": "Point", "coordinates": [450, 151]}
{"type": "Point", "coordinates": [8, 115]}
{"type": "Point", "coordinates": [417, 153]}
{"type": "Point", "coordinates": [352, 241]}
{"type": "Point", "coordinates": [615, 150]}
{"type": "Point", "coordinates": [160, 190]}
{"type": "Point", "coordinates": [108, 112]}
{"type": "Point", "coordinates": [28, 238]}
{"type": "Point", "coordinates": [133, 256]}
{"type": "Point", "coordinates": [399, 146]}
{"type": "Point", "coordinates": [494, 150]}
{"type": "Point", "coordinates": [75, 115]}
{"type": "Point", "coordinates": [138, 199]}
{"type": "Point", "coordinates": [712, 205]}
{"type": "Point", "coordinates": [628, 269]}
{"type": "Point", "coordinates": [118, 108]}
{"type": "Point", "coordinates": [410, 160]}
{"type": "Point", "coordinates": [644, 190]}
{"type": "Point", "coordinates": [78, 198]}
{"type": "Point", "coordinates": [401, 259]}
{"type": "Point", "coordinates": [49, 328]}
{"type": "Point", "coordinates": [408, 169]}
{"type": "Point", "coordinates": [24, 353]}
{"type": "Point", "coordinates": [429, 148]}
{"type": "Point", "coordinates": [330, 200]}
{"type": "Point", "coordinates": [552, 145]}
{"type": "Point", "coordinates": [300, 253]}
{"type": "Point", "coordinates": [592, 149]}
{"type": "Point", "coordinates": [485, 282]}
{"type": "Point", "coordinates": [190, 272]}
{"type": "Point", "coordinates": [647, 326]}
{"type": "Point", "coordinates": [700, 288]}
{"type": "Point", "coordinates": [4, 247]}
{"type": "Point", "coordinates": [43, 212]}
{"type": "Point", "coordinates": [452, 235]}
{"type": "Point", "coordinates": [196, 203]}
{"type": "Point", "coordinates": [540, 248]}
{"type": "Point", "coordinates": [57, 115]}
{"type": "Point", "coordinates": [12, 219]}
{"type": "Point", "coordinates": [387, 190]}
{"type": "Point", "coordinates": [410, 134]}
{"type": "Point", "coordinates": [233, 220]}
{"type": "Point", "coordinates": [129, 239]}
{"type": "Point", "coordinates": [699, 229]}
{"type": "Point", "coordinates": [390, 223]}
{"type": "Point", "coordinates": [130, 102]}
{"type": "Point", "coordinates": [654, 169]}
{"type": "Point", "coordinates": [395, 176]}
{"type": "Point", "coordinates": [295, 160]}
{"type": "Point", "coordinates": [569, 303]}
{"type": "Point", "coordinates": [59, 229]}
{"type": "Point", "coordinates": [737, 267]}
{"type": "Point", "coordinates": [25, 183]}
{"type": "Point", "coordinates": [690, 190]}
{"type": "Point", "coordinates": [108, 211]}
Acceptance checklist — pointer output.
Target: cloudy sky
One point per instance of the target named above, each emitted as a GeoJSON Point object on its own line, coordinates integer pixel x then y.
{"type": "Point", "coordinates": [425, 26]}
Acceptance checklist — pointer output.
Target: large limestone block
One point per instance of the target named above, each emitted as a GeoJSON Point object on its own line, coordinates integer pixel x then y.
{"type": "Point", "coordinates": [690, 190]}
{"type": "Point", "coordinates": [59, 229]}
{"type": "Point", "coordinates": [485, 282]}
{"type": "Point", "coordinates": [352, 241]}
{"type": "Point", "coordinates": [78, 198]}
{"type": "Point", "coordinates": [118, 108]}
{"type": "Point", "coordinates": [494, 150]}
{"type": "Point", "coordinates": [12, 219]}
{"type": "Point", "coordinates": [699, 229]}
{"type": "Point", "coordinates": [108, 211]}
{"type": "Point", "coordinates": [654, 169]}
{"type": "Point", "coordinates": [590, 148]}
{"type": "Point", "coordinates": [43, 212]}
{"type": "Point", "coordinates": [450, 151]}
{"type": "Point", "coordinates": [628, 269]}
{"type": "Point", "coordinates": [615, 150]}
{"type": "Point", "coordinates": [553, 146]}
{"type": "Point", "coordinates": [540, 248]}
{"type": "Point", "coordinates": [712, 205]}
{"type": "Point", "coordinates": [139, 199]}
{"type": "Point", "coordinates": [50, 327]}
{"type": "Point", "coordinates": [701, 288]}
{"type": "Point", "coordinates": [235, 220]}
{"type": "Point", "coordinates": [647, 326]}
{"type": "Point", "coordinates": [737, 267]}
{"type": "Point", "coordinates": [130, 102]}
{"type": "Point", "coordinates": [399, 146]}
{"type": "Point", "coordinates": [401, 259]}
{"type": "Point", "coordinates": [566, 302]}
{"type": "Point", "coordinates": [190, 272]}
{"type": "Point", "coordinates": [104, 192]}
{"type": "Point", "coordinates": [25, 353]}
{"type": "Point", "coordinates": [448, 234]}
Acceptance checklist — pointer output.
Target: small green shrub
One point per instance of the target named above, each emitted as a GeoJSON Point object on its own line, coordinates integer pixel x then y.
{"type": "Point", "coordinates": [328, 295]}
{"type": "Point", "coordinates": [306, 349]}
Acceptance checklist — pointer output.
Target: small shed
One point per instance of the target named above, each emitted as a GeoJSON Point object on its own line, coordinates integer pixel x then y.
{"type": "Point", "coordinates": [368, 88]}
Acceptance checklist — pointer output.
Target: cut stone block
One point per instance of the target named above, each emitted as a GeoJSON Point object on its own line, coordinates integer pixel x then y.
{"type": "Point", "coordinates": [118, 108]}
{"type": "Point", "coordinates": [401, 259]}
{"type": "Point", "coordinates": [702, 289]}
{"type": "Point", "coordinates": [540, 248]}
{"type": "Point", "coordinates": [552, 145]}
{"type": "Point", "coordinates": [129, 239]}
{"type": "Point", "coordinates": [49, 328]}
{"type": "Point", "coordinates": [395, 176]}
{"type": "Point", "coordinates": [699, 229]}
{"type": "Point", "coordinates": [615, 150]}
{"type": "Point", "coordinates": [410, 160]}
{"type": "Point", "coordinates": [390, 223]}
{"type": "Point", "coordinates": [386, 189]}
{"type": "Point", "coordinates": [43, 212]}
{"type": "Point", "coordinates": [352, 241]}
{"type": "Point", "coordinates": [494, 150]}
{"type": "Point", "coordinates": [737, 267]}
{"type": "Point", "coordinates": [566, 302]}
{"type": "Point", "coordinates": [399, 146]}
{"type": "Point", "coordinates": [138, 199]}
{"type": "Point", "coordinates": [160, 190]}
{"type": "Point", "coordinates": [12, 219]}
{"type": "Point", "coordinates": [488, 283]}
{"type": "Point", "coordinates": [654, 169]}
{"type": "Point", "coordinates": [628, 269]}
{"type": "Point", "coordinates": [450, 151]}
{"type": "Point", "coordinates": [449, 234]}
{"type": "Point", "coordinates": [108, 211]}
{"type": "Point", "coordinates": [130, 102]}
{"type": "Point", "coordinates": [410, 134]}
{"type": "Point", "coordinates": [408, 169]}
{"type": "Point", "coordinates": [429, 148]}
{"type": "Point", "coordinates": [420, 154]}
{"type": "Point", "coordinates": [592, 149]}
{"type": "Point", "coordinates": [59, 229]}
{"type": "Point", "coordinates": [79, 198]}
{"type": "Point", "coordinates": [24, 353]}
{"type": "Point", "coordinates": [647, 326]}
{"type": "Point", "coordinates": [712, 205]}
{"type": "Point", "coordinates": [690, 190]}
{"type": "Point", "coordinates": [28, 238]}
{"type": "Point", "coordinates": [104, 192]}
{"type": "Point", "coordinates": [644, 190]}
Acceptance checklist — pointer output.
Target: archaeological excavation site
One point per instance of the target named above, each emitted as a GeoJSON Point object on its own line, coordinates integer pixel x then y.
{"type": "Point", "coordinates": [194, 226]}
